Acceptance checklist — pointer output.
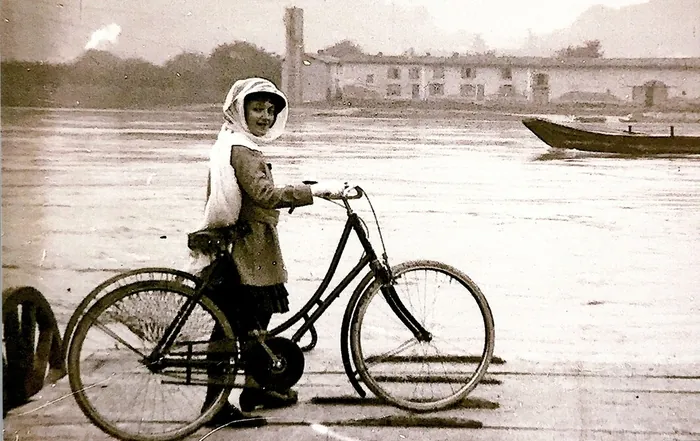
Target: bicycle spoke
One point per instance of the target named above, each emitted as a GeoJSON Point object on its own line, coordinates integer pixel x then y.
{"type": "Point", "coordinates": [133, 401]}
{"type": "Point", "coordinates": [431, 374]}
{"type": "Point", "coordinates": [112, 334]}
{"type": "Point", "coordinates": [380, 358]}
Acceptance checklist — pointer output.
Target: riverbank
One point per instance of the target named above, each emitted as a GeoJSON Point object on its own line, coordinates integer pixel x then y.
{"type": "Point", "coordinates": [442, 111]}
{"type": "Point", "coordinates": [490, 111]}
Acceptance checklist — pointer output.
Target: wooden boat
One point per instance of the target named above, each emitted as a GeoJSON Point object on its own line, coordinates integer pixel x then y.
{"type": "Point", "coordinates": [565, 137]}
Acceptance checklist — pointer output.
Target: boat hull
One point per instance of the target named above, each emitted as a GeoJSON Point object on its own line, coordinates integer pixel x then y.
{"type": "Point", "coordinates": [565, 137]}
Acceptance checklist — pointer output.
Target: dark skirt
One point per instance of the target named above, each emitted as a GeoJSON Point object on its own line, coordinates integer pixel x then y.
{"type": "Point", "coordinates": [249, 307]}
{"type": "Point", "coordinates": [265, 299]}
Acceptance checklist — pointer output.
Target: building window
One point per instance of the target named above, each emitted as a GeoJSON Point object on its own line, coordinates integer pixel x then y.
{"type": "Point", "coordinates": [415, 91]}
{"type": "Point", "coordinates": [393, 90]}
{"type": "Point", "coordinates": [468, 72]}
{"type": "Point", "coordinates": [480, 92]}
{"type": "Point", "coordinates": [370, 79]}
{"type": "Point", "coordinates": [506, 90]}
{"type": "Point", "coordinates": [438, 72]}
{"type": "Point", "coordinates": [414, 73]}
{"type": "Point", "coordinates": [437, 89]}
{"type": "Point", "coordinates": [393, 73]}
{"type": "Point", "coordinates": [506, 73]}
{"type": "Point", "coordinates": [467, 90]}
{"type": "Point", "coordinates": [541, 79]}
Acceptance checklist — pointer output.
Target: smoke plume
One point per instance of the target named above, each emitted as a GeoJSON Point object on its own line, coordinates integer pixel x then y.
{"type": "Point", "coordinates": [108, 33]}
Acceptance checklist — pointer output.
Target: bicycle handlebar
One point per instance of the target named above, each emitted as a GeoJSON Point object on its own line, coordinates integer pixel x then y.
{"type": "Point", "coordinates": [358, 193]}
{"type": "Point", "coordinates": [349, 192]}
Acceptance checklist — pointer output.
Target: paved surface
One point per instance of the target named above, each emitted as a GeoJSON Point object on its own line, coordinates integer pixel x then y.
{"type": "Point", "coordinates": [525, 402]}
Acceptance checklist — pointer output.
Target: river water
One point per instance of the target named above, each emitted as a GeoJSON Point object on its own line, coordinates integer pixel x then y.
{"type": "Point", "coordinates": [584, 258]}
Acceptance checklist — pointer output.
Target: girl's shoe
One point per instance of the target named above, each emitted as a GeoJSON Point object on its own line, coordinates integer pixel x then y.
{"type": "Point", "coordinates": [255, 398]}
{"type": "Point", "coordinates": [230, 416]}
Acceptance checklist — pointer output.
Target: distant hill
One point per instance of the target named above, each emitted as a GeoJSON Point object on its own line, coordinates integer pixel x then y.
{"type": "Point", "coordinates": [659, 28]}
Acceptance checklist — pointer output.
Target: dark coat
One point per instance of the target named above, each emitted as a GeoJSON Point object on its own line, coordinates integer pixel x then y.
{"type": "Point", "coordinates": [257, 254]}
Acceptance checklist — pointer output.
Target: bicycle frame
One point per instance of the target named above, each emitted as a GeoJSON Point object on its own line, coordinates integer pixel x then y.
{"type": "Point", "coordinates": [272, 361]}
{"type": "Point", "coordinates": [380, 271]}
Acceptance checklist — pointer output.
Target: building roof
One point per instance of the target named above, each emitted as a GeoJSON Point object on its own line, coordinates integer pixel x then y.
{"type": "Point", "coordinates": [512, 61]}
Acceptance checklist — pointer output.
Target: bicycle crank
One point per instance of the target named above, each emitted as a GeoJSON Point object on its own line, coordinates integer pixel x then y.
{"type": "Point", "coordinates": [276, 363]}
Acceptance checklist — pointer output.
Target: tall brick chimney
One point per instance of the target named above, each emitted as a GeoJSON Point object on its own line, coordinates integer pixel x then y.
{"type": "Point", "coordinates": [291, 68]}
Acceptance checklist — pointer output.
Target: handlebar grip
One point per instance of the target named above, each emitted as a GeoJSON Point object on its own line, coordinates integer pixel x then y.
{"type": "Point", "coordinates": [345, 194]}
{"type": "Point", "coordinates": [358, 193]}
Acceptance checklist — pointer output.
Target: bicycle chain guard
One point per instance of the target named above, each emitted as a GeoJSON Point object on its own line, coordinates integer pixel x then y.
{"type": "Point", "coordinates": [280, 375]}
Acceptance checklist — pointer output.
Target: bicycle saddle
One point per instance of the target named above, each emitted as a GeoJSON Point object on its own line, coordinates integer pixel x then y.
{"type": "Point", "coordinates": [214, 240]}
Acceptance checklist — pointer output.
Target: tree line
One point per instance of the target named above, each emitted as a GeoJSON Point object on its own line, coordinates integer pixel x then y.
{"type": "Point", "coordinates": [99, 79]}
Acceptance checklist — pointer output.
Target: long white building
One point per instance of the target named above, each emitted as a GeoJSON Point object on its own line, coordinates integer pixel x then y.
{"type": "Point", "coordinates": [647, 82]}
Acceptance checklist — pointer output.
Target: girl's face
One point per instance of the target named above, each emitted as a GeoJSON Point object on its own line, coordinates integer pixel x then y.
{"type": "Point", "coordinates": [260, 116]}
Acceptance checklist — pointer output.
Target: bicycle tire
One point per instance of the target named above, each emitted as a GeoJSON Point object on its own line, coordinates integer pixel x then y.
{"type": "Point", "coordinates": [106, 309]}
{"type": "Point", "coordinates": [113, 283]}
{"type": "Point", "coordinates": [32, 343]}
{"type": "Point", "coordinates": [396, 391]}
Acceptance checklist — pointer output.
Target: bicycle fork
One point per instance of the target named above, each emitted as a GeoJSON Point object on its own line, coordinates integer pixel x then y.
{"type": "Point", "coordinates": [392, 298]}
{"type": "Point", "coordinates": [382, 272]}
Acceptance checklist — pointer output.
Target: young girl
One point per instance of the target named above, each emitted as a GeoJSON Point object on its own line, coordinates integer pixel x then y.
{"type": "Point", "coordinates": [240, 181]}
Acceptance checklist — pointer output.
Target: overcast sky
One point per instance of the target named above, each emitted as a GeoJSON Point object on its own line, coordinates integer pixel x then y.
{"type": "Point", "coordinates": [158, 29]}
{"type": "Point", "coordinates": [503, 21]}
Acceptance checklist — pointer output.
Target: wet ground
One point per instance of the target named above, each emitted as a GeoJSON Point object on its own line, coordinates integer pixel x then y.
{"type": "Point", "coordinates": [583, 258]}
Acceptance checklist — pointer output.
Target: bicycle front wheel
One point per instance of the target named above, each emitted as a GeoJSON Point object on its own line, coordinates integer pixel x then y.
{"type": "Point", "coordinates": [137, 399]}
{"type": "Point", "coordinates": [419, 375]}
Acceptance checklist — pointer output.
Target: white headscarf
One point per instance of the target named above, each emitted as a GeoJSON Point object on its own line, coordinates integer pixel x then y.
{"type": "Point", "coordinates": [234, 113]}
{"type": "Point", "coordinates": [224, 202]}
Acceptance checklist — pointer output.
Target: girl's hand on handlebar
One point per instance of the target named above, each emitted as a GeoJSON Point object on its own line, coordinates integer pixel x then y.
{"type": "Point", "coordinates": [332, 190]}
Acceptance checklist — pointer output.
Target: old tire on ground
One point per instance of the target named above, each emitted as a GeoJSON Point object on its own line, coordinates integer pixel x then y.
{"type": "Point", "coordinates": [28, 355]}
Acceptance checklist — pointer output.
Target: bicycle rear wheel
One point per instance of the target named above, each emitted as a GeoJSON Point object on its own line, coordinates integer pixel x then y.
{"type": "Point", "coordinates": [121, 281]}
{"type": "Point", "coordinates": [423, 376]}
{"type": "Point", "coordinates": [122, 393]}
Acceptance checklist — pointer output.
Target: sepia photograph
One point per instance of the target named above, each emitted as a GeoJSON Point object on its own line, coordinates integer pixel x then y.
{"type": "Point", "coordinates": [333, 220]}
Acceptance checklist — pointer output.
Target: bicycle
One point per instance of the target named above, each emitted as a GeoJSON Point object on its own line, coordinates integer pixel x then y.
{"type": "Point", "coordinates": [160, 322]}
